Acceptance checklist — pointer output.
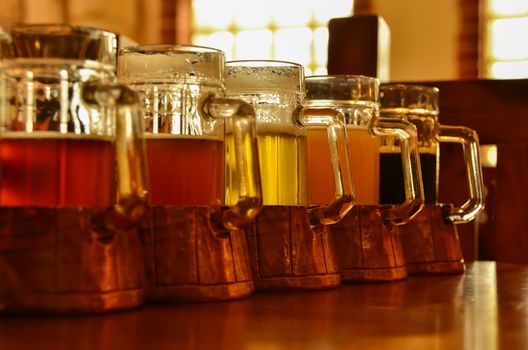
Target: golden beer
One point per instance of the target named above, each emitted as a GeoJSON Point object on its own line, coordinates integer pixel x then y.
{"type": "Point", "coordinates": [364, 160]}
{"type": "Point", "coordinates": [282, 157]}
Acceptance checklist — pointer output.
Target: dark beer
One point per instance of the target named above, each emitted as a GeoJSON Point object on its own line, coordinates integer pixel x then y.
{"type": "Point", "coordinates": [392, 190]}
{"type": "Point", "coordinates": [53, 169]}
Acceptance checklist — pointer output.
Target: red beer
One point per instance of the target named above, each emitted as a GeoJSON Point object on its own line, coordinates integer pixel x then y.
{"type": "Point", "coordinates": [185, 170]}
{"type": "Point", "coordinates": [53, 169]}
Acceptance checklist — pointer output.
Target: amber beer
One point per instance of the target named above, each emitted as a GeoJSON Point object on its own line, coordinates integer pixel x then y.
{"type": "Point", "coordinates": [364, 158]}
{"type": "Point", "coordinates": [185, 170]}
{"type": "Point", "coordinates": [53, 169]}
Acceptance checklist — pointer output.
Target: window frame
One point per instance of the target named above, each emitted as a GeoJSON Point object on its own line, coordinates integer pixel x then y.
{"type": "Point", "coordinates": [487, 58]}
{"type": "Point", "coordinates": [314, 66]}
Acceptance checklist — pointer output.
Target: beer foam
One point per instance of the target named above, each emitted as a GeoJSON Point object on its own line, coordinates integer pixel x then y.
{"type": "Point", "coordinates": [264, 76]}
{"type": "Point", "coordinates": [288, 129]}
{"type": "Point", "coordinates": [38, 135]}
{"type": "Point", "coordinates": [390, 149]}
{"type": "Point", "coordinates": [397, 149]}
{"type": "Point", "coordinates": [170, 66]}
{"type": "Point", "coordinates": [167, 136]}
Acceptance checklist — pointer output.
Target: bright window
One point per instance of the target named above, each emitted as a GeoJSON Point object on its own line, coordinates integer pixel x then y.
{"type": "Point", "coordinates": [506, 50]}
{"type": "Point", "coordinates": [289, 30]}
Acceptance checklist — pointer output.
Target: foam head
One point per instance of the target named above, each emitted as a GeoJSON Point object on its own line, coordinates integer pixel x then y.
{"type": "Point", "coordinates": [264, 76]}
{"type": "Point", "coordinates": [409, 99]}
{"type": "Point", "coordinates": [58, 41]}
{"type": "Point", "coordinates": [171, 63]}
{"type": "Point", "coordinates": [342, 89]}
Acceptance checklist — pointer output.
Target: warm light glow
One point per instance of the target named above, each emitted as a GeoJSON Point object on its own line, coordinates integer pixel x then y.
{"type": "Point", "coordinates": [488, 155]}
{"type": "Point", "coordinates": [292, 13]}
{"type": "Point", "coordinates": [251, 14]}
{"type": "Point", "coordinates": [319, 71]}
{"type": "Point", "coordinates": [290, 30]}
{"type": "Point", "coordinates": [245, 47]}
{"type": "Point", "coordinates": [220, 40]}
{"type": "Point", "coordinates": [506, 51]}
{"type": "Point", "coordinates": [509, 70]}
{"type": "Point", "coordinates": [327, 9]}
{"type": "Point", "coordinates": [321, 42]}
{"type": "Point", "coordinates": [504, 39]}
{"type": "Point", "coordinates": [502, 8]}
{"type": "Point", "coordinates": [480, 326]}
{"type": "Point", "coordinates": [293, 45]}
{"type": "Point", "coordinates": [213, 14]}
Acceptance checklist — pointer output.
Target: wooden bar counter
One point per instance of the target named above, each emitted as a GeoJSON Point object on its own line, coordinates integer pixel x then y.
{"type": "Point", "coordinates": [484, 308]}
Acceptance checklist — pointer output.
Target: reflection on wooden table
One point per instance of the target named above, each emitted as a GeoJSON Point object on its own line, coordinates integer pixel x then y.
{"type": "Point", "coordinates": [485, 308]}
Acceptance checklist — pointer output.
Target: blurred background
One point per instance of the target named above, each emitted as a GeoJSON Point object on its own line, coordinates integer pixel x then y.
{"type": "Point", "coordinates": [430, 39]}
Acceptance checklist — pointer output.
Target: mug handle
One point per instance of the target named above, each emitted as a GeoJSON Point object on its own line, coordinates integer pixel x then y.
{"type": "Point", "coordinates": [333, 121]}
{"type": "Point", "coordinates": [412, 174]}
{"type": "Point", "coordinates": [242, 117]}
{"type": "Point", "coordinates": [468, 138]}
{"type": "Point", "coordinates": [131, 168]}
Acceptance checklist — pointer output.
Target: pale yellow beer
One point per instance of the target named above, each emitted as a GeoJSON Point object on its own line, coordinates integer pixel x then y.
{"type": "Point", "coordinates": [364, 160]}
{"type": "Point", "coordinates": [282, 157]}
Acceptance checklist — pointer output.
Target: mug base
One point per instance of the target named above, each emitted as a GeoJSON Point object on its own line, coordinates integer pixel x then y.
{"type": "Point", "coordinates": [298, 283]}
{"type": "Point", "coordinates": [200, 293]}
{"type": "Point", "coordinates": [437, 267]}
{"type": "Point", "coordinates": [374, 274]}
{"type": "Point", "coordinates": [71, 303]}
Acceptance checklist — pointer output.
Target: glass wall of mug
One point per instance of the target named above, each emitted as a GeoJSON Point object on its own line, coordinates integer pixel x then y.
{"type": "Point", "coordinates": [72, 184]}
{"type": "Point", "coordinates": [366, 242]}
{"type": "Point", "coordinates": [276, 91]}
{"type": "Point", "coordinates": [419, 105]}
{"type": "Point", "coordinates": [187, 125]}
{"type": "Point", "coordinates": [357, 98]}
{"type": "Point", "coordinates": [56, 147]}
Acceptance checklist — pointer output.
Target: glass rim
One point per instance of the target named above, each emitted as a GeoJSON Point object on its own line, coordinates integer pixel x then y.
{"type": "Point", "coordinates": [58, 63]}
{"type": "Point", "coordinates": [164, 48]}
{"type": "Point", "coordinates": [342, 103]}
{"type": "Point", "coordinates": [409, 99]}
{"type": "Point", "coordinates": [263, 63]}
{"type": "Point", "coordinates": [64, 41]}
{"type": "Point", "coordinates": [389, 111]}
{"type": "Point", "coordinates": [342, 77]}
{"type": "Point", "coordinates": [56, 28]}
{"type": "Point", "coordinates": [410, 87]}
{"type": "Point", "coordinates": [343, 89]}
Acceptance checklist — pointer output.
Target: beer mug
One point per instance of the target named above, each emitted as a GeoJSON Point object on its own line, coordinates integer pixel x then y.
{"type": "Point", "coordinates": [430, 241]}
{"type": "Point", "coordinates": [72, 184]}
{"type": "Point", "coordinates": [366, 242]}
{"type": "Point", "coordinates": [189, 254]}
{"type": "Point", "coordinates": [287, 244]}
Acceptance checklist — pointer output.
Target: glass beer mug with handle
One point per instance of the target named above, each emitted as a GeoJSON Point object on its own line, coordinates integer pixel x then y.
{"type": "Point", "coordinates": [276, 91]}
{"type": "Point", "coordinates": [357, 98]}
{"type": "Point", "coordinates": [430, 241]}
{"type": "Point", "coordinates": [187, 120]}
{"type": "Point", "coordinates": [72, 184]}
{"type": "Point", "coordinates": [365, 240]}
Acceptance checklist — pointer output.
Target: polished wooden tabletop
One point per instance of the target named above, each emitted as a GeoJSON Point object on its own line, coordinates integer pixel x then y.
{"type": "Point", "coordinates": [485, 308]}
